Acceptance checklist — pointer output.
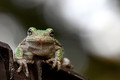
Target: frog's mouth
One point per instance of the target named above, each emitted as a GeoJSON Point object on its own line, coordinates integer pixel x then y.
{"type": "Point", "coordinates": [29, 39]}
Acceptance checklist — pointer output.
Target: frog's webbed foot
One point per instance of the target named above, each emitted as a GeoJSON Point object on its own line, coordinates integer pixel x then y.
{"type": "Point", "coordinates": [23, 63]}
{"type": "Point", "coordinates": [55, 61]}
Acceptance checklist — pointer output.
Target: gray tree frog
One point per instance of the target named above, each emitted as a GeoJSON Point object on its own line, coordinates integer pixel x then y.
{"type": "Point", "coordinates": [41, 43]}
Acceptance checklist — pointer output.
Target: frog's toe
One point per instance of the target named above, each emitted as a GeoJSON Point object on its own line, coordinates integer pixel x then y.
{"type": "Point", "coordinates": [53, 60]}
{"type": "Point", "coordinates": [50, 60]}
{"type": "Point", "coordinates": [26, 68]}
{"type": "Point", "coordinates": [58, 65]}
{"type": "Point", "coordinates": [54, 64]}
{"type": "Point", "coordinates": [20, 67]}
{"type": "Point", "coordinates": [27, 74]}
{"type": "Point", "coordinates": [30, 61]}
{"type": "Point", "coordinates": [18, 70]}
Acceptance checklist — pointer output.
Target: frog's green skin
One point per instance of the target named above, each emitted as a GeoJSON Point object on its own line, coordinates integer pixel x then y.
{"type": "Point", "coordinates": [41, 43]}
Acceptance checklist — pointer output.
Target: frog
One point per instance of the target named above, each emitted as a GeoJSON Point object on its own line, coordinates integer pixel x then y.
{"type": "Point", "coordinates": [39, 43]}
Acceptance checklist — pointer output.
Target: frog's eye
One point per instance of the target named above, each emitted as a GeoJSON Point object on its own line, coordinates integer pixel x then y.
{"type": "Point", "coordinates": [29, 32]}
{"type": "Point", "coordinates": [51, 34]}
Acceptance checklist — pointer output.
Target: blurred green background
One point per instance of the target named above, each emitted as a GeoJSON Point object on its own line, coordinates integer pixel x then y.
{"type": "Point", "coordinates": [16, 16]}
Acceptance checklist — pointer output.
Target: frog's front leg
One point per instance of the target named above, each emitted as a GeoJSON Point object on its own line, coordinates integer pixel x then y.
{"type": "Point", "coordinates": [20, 60]}
{"type": "Point", "coordinates": [57, 59]}
{"type": "Point", "coordinates": [23, 63]}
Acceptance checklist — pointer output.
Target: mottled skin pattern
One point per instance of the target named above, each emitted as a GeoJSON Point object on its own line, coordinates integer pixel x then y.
{"type": "Point", "coordinates": [41, 43]}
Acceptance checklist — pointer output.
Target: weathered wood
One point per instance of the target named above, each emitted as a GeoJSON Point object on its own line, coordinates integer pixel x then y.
{"type": "Point", "coordinates": [38, 71]}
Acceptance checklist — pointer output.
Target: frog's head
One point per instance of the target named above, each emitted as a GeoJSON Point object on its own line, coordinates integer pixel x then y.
{"type": "Point", "coordinates": [35, 35]}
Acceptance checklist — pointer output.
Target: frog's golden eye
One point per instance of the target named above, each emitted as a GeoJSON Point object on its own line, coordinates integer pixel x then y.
{"type": "Point", "coordinates": [29, 32]}
{"type": "Point", "coordinates": [51, 34]}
